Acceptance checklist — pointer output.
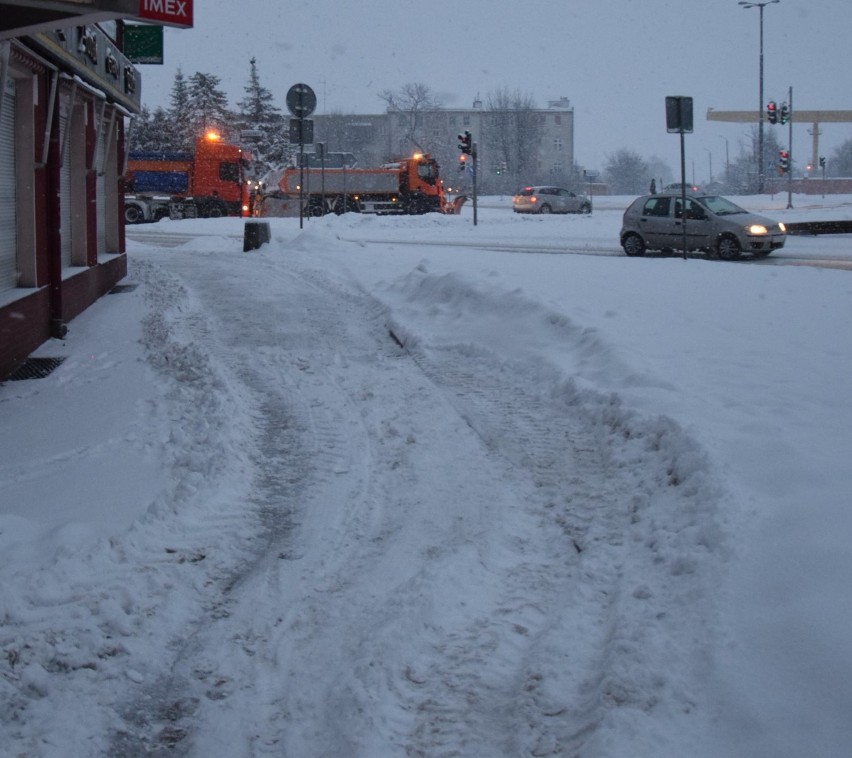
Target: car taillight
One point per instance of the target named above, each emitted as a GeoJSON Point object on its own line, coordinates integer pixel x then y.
{"type": "Point", "coordinates": [533, 199]}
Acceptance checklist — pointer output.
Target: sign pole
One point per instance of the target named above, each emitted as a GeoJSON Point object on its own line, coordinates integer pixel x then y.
{"type": "Point", "coordinates": [679, 119]}
{"type": "Point", "coordinates": [301, 101]}
{"type": "Point", "coordinates": [301, 173]}
{"type": "Point", "coordinates": [683, 189]}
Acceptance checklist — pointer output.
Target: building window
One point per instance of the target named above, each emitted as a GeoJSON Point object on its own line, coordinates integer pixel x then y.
{"type": "Point", "coordinates": [466, 120]}
{"type": "Point", "coordinates": [558, 118]}
{"type": "Point", "coordinates": [558, 145]}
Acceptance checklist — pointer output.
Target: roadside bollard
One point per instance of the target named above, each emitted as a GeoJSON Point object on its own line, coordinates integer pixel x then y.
{"type": "Point", "coordinates": [256, 233]}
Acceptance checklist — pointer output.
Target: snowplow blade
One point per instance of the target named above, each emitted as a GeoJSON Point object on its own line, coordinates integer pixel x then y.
{"type": "Point", "coordinates": [454, 208]}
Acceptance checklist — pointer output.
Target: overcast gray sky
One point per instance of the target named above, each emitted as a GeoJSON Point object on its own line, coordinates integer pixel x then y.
{"type": "Point", "coordinates": [616, 60]}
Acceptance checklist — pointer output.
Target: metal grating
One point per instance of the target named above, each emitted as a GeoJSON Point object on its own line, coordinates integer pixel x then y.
{"type": "Point", "coordinates": [119, 288]}
{"type": "Point", "coordinates": [34, 368]}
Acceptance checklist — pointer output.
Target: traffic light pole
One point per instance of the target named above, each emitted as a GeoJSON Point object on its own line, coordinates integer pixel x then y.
{"type": "Point", "coordinates": [790, 150]}
{"type": "Point", "coordinates": [475, 172]}
{"type": "Point", "coordinates": [468, 147]}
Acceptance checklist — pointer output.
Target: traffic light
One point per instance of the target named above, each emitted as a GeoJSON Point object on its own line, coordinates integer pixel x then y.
{"type": "Point", "coordinates": [772, 112]}
{"type": "Point", "coordinates": [465, 143]}
{"type": "Point", "coordinates": [784, 116]}
{"type": "Point", "coordinates": [822, 161]}
{"type": "Point", "coordinates": [462, 161]}
{"type": "Point", "coordinates": [783, 161]}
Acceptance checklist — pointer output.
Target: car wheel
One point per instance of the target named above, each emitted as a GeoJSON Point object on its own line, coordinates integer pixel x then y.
{"type": "Point", "coordinates": [633, 245]}
{"type": "Point", "coordinates": [727, 248]}
{"type": "Point", "coordinates": [132, 214]}
{"type": "Point", "coordinates": [545, 209]}
{"type": "Point", "coordinates": [586, 208]}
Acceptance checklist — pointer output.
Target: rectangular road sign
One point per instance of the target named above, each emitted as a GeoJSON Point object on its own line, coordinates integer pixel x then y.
{"type": "Point", "coordinates": [678, 114]}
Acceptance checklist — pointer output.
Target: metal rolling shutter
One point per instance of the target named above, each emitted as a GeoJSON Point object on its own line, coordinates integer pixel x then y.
{"type": "Point", "coordinates": [8, 227]}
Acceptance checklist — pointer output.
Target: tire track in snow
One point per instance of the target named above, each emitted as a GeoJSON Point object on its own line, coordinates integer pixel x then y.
{"type": "Point", "coordinates": [577, 507]}
{"type": "Point", "coordinates": [302, 447]}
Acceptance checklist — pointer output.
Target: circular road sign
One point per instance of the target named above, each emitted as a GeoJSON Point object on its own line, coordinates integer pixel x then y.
{"type": "Point", "coordinates": [301, 100]}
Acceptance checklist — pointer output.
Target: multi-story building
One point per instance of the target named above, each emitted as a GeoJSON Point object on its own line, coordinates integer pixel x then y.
{"type": "Point", "coordinates": [526, 145]}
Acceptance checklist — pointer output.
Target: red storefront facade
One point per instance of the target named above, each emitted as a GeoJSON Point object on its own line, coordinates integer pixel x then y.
{"type": "Point", "coordinates": [65, 96]}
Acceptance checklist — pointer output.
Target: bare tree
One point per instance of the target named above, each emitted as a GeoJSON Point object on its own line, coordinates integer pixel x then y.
{"type": "Point", "coordinates": [841, 160]}
{"type": "Point", "coordinates": [513, 132]}
{"type": "Point", "coordinates": [411, 101]}
{"type": "Point", "coordinates": [626, 172]}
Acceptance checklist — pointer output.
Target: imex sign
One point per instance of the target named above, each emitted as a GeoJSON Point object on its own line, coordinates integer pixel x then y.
{"type": "Point", "coordinates": [171, 12]}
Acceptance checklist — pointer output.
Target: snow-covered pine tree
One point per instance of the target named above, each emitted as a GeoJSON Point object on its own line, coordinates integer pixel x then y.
{"type": "Point", "coordinates": [257, 112]}
{"type": "Point", "coordinates": [152, 132]}
{"type": "Point", "coordinates": [179, 130]}
{"type": "Point", "coordinates": [207, 107]}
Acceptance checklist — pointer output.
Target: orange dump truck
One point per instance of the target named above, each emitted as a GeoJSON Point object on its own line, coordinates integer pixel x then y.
{"type": "Point", "coordinates": [207, 183]}
{"type": "Point", "coordinates": [412, 185]}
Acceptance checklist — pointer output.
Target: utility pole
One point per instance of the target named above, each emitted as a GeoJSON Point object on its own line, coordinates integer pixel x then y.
{"type": "Point", "coordinates": [761, 158]}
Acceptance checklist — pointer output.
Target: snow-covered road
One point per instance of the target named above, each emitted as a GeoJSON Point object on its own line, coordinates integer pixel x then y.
{"type": "Point", "coordinates": [363, 499]}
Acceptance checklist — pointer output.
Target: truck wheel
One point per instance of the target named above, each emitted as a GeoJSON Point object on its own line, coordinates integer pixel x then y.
{"type": "Point", "coordinates": [132, 214]}
{"type": "Point", "coordinates": [216, 211]}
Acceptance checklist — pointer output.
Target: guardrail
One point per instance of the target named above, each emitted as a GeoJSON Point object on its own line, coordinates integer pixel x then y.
{"type": "Point", "coordinates": [819, 227]}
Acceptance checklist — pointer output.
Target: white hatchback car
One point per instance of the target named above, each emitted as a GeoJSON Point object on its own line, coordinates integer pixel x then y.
{"type": "Point", "coordinates": [546, 199]}
{"type": "Point", "coordinates": [711, 223]}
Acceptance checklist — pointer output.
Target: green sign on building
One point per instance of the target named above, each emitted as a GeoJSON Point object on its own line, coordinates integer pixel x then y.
{"type": "Point", "coordinates": [143, 43]}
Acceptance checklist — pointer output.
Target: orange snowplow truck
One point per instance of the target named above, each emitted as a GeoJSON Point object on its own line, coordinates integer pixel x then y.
{"type": "Point", "coordinates": [412, 185]}
{"type": "Point", "coordinates": [207, 183]}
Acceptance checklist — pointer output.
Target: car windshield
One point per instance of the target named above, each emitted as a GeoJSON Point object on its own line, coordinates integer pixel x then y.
{"type": "Point", "coordinates": [721, 206]}
{"type": "Point", "coordinates": [526, 192]}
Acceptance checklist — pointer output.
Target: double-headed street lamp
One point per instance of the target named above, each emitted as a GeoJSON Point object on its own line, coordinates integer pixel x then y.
{"type": "Point", "coordinates": [760, 159]}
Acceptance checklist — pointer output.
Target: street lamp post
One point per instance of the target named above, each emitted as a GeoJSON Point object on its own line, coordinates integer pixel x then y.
{"type": "Point", "coordinates": [760, 157]}
{"type": "Point", "coordinates": [727, 161]}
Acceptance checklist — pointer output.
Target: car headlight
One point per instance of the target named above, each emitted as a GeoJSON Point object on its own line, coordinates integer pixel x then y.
{"type": "Point", "coordinates": [756, 229]}
{"type": "Point", "coordinates": [782, 226]}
